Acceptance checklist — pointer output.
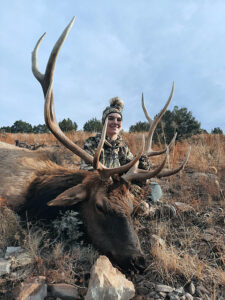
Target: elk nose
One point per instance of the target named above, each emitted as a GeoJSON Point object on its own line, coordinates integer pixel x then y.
{"type": "Point", "coordinates": [139, 262]}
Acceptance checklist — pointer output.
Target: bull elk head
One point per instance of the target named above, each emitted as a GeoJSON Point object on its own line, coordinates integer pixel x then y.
{"type": "Point", "coordinates": [96, 191]}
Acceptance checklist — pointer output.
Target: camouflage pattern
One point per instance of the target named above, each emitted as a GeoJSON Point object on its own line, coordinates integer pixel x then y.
{"type": "Point", "coordinates": [115, 153]}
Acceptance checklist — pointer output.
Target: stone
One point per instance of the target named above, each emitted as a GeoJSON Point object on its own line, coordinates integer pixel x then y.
{"type": "Point", "coordinates": [5, 266]}
{"type": "Point", "coordinates": [149, 284]}
{"type": "Point", "coordinates": [108, 283]}
{"type": "Point", "coordinates": [141, 290]}
{"type": "Point", "coordinates": [162, 294]}
{"type": "Point", "coordinates": [33, 289]}
{"type": "Point", "coordinates": [64, 291]}
{"type": "Point", "coordinates": [155, 192]}
{"type": "Point", "coordinates": [190, 288]}
{"type": "Point", "coordinates": [21, 260]}
{"type": "Point", "coordinates": [180, 290]}
{"type": "Point", "coordinates": [13, 251]}
{"type": "Point", "coordinates": [188, 296]}
{"type": "Point", "coordinates": [164, 288]}
{"type": "Point", "coordinates": [173, 297]}
{"type": "Point", "coordinates": [153, 294]}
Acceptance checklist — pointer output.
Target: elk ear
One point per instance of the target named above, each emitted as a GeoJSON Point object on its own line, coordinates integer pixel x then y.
{"type": "Point", "coordinates": [70, 197]}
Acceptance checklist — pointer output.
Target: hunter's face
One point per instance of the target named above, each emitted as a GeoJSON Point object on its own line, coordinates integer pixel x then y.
{"type": "Point", "coordinates": [114, 125]}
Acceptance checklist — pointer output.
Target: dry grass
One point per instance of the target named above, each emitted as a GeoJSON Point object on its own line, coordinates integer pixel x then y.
{"type": "Point", "coordinates": [11, 231]}
{"type": "Point", "coordinates": [194, 242]}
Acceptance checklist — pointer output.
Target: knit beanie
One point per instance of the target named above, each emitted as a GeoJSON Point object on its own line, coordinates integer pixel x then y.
{"type": "Point", "coordinates": [116, 106]}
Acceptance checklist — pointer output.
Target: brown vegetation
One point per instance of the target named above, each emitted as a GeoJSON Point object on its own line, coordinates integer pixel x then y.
{"type": "Point", "coordinates": [194, 240]}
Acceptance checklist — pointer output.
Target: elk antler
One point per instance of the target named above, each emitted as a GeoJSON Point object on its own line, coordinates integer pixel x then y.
{"type": "Point", "coordinates": [46, 81]}
{"type": "Point", "coordinates": [153, 124]}
{"type": "Point", "coordinates": [138, 174]}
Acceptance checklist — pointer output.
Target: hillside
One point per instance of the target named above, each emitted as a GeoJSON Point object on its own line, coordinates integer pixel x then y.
{"type": "Point", "coordinates": [181, 250]}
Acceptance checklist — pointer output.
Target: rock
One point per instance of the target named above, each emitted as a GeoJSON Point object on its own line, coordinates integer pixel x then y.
{"type": "Point", "coordinates": [190, 288]}
{"type": "Point", "coordinates": [153, 294]}
{"type": "Point", "coordinates": [179, 291]}
{"type": "Point", "coordinates": [64, 291]}
{"type": "Point", "coordinates": [141, 290]}
{"type": "Point", "coordinates": [108, 283]}
{"type": "Point", "coordinates": [163, 288]}
{"type": "Point", "coordinates": [34, 289]}
{"type": "Point", "coordinates": [173, 297]}
{"type": "Point", "coordinates": [188, 296]}
{"type": "Point", "coordinates": [155, 192]}
{"type": "Point", "coordinates": [13, 251]}
{"type": "Point", "coordinates": [4, 266]}
{"type": "Point", "coordinates": [162, 294]}
{"type": "Point", "coordinates": [21, 260]}
{"type": "Point", "coordinates": [150, 285]}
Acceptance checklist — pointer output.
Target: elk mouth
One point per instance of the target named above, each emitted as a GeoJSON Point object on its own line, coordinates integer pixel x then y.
{"type": "Point", "coordinates": [135, 262]}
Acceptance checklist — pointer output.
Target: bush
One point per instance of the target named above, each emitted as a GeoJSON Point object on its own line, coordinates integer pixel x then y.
{"type": "Point", "coordinates": [66, 226]}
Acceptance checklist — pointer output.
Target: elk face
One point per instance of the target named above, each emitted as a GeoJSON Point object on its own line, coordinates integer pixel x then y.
{"type": "Point", "coordinates": [106, 209]}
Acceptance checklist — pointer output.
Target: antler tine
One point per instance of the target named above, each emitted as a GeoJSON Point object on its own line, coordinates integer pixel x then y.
{"type": "Point", "coordinates": [174, 171]}
{"type": "Point", "coordinates": [38, 75]}
{"type": "Point", "coordinates": [49, 71]}
{"type": "Point", "coordinates": [145, 111]}
{"type": "Point", "coordinates": [172, 142]}
{"type": "Point", "coordinates": [46, 83]}
{"type": "Point", "coordinates": [154, 123]}
{"type": "Point", "coordinates": [96, 164]}
{"type": "Point", "coordinates": [140, 175]}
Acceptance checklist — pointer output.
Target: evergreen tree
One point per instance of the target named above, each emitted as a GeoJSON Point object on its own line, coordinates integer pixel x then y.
{"type": "Point", "coordinates": [21, 126]}
{"type": "Point", "coordinates": [177, 120]}
{"type": "Point", "coordinates": [139, 127]}
{"type": "Point", "coordinates": [93, 125]}
{"type": "Point", "coordinates": [217, 130]}
{"type": "Point", "coordinates": [41, 128]}
{"type": "Point", "coordinates": [67, 125]}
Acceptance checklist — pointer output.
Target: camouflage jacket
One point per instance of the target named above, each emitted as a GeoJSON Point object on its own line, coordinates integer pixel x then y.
{"type": "Point", "coordinates": [115, 153]}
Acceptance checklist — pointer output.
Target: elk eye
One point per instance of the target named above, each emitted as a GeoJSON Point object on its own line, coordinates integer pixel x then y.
{"type": "Point", "coordinates": [99, 207]}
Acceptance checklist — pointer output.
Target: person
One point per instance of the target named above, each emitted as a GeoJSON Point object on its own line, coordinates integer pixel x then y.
{"type": "Point", "coordinates": [115, 150]}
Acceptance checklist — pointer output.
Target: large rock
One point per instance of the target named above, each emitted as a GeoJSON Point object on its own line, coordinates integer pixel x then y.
{"type": "Point", "coordinates": [4, 266]}
{"type": "Point", "coordinates": [108, 283]}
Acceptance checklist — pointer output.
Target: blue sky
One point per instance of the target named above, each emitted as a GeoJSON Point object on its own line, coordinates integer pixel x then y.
{"type": "Point", "coordinates": [115, 48]}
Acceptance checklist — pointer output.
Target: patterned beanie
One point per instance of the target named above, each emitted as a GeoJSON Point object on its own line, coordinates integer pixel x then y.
{"type": "Point", "coordinates": [116, 106]}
